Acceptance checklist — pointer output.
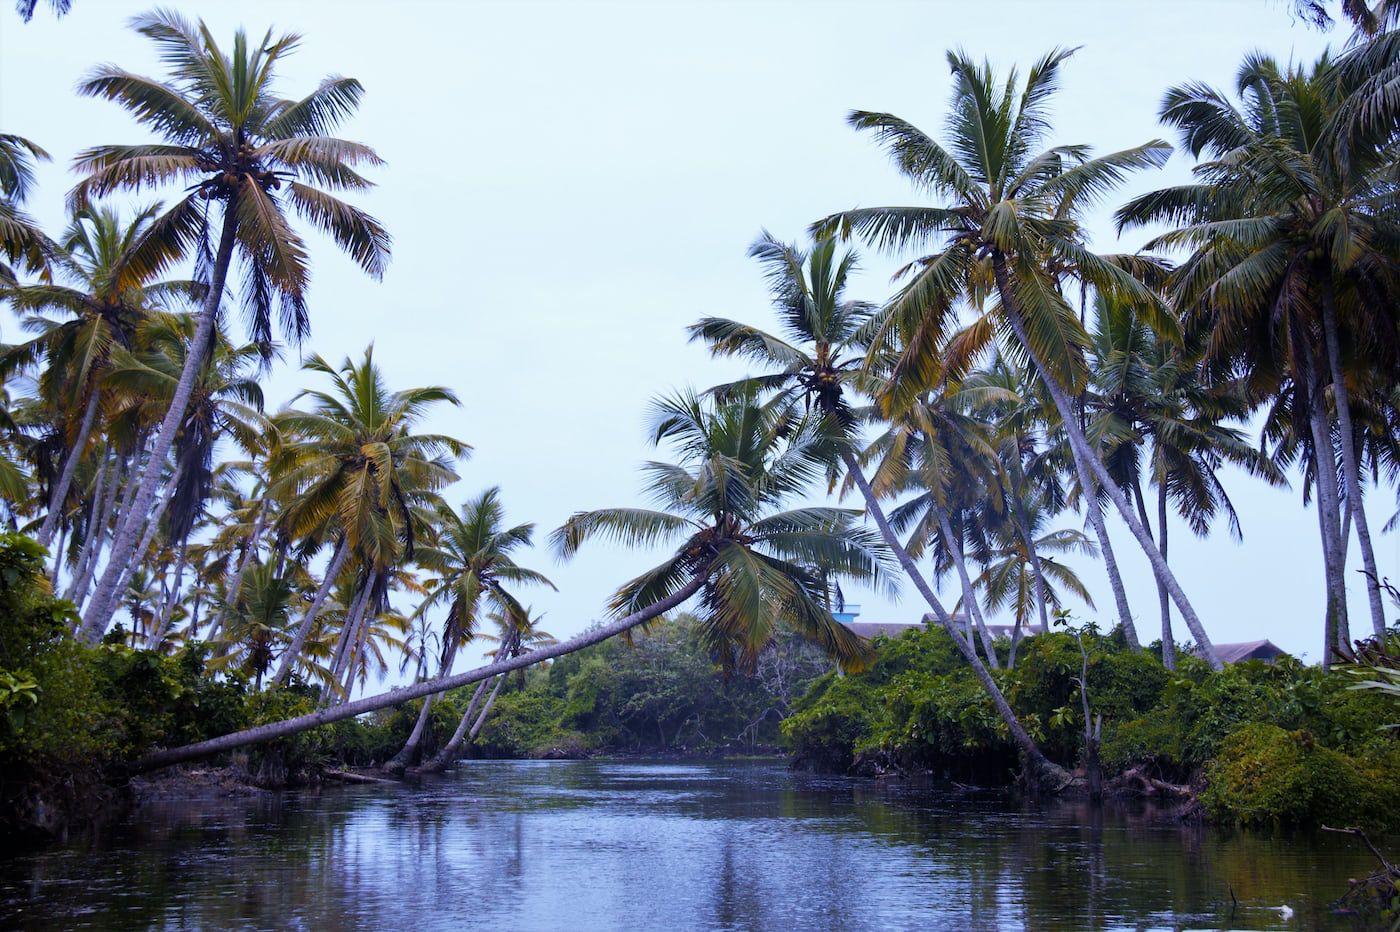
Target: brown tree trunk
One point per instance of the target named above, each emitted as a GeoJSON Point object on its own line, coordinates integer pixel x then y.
{"type": "Point", "coordinates": [70, 467]}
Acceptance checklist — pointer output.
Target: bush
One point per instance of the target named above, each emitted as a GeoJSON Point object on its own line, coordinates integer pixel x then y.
{"type": "Point", "coordinates": [1265, 774]}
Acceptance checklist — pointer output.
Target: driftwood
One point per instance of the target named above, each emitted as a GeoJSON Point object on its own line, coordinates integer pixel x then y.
{"type": "Point", "coordinates": [1377, 889]}
{"type": "Point", "coordinates": [345, 776]}
{"type": "Point", "coordinates": [1135, 780]}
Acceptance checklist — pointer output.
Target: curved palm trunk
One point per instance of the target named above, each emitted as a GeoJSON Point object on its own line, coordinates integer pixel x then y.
{"type": "Point", "coordinates": [148, 534]}
{"type": "Point", "coordinates": [486, 710]}
{"type": "Point", "coordinates": [104, 599]}
{"type": "Point", "coordinates": [1046, 773]}
{"type": "Point", "coordinates": [409, 751]}
{"type": "Point", "coordinates": [293, 651]}
{"type": "Point", "coordinates": [452, 750]}
{"type": "Point", "coordinates": [969, 593]}
{"type": "Point", "coordinates": [349, 634]}
{"type": "Point", "coordinates": [1079, 444]}
{"type": "Point", "coordinates": [96, 536]}
{"type": "Point", "coordinates": [394, 697]}
{"type": "Point", "coordinates": [1351, 465]}
{"type": "Point", "coordinates": [70, 468]}
{"type": "Point", "coordinates": [1115, 579]}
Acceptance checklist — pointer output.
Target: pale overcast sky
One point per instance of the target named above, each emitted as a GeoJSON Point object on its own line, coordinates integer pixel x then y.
{"type": "Point", "coordinates": [570, 184]}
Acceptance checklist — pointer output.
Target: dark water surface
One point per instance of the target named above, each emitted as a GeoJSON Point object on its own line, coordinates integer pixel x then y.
{"type": "Point", "coordinates": [668, 846]}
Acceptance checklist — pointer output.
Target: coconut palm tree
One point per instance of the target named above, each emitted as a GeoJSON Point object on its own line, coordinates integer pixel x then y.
{"type": "Point", "coordinates": [1006, 225]}
{"type": "Point", "coordinates": [353, 469]}
{"type": "Point", "coordinates": [232, 144]}
{"type": "Point", "coordinates": [472, 560]}
{"type": "Point", "coordinates": [1293, 272]}
{"type": "Point", "coordinates": [258, 624]}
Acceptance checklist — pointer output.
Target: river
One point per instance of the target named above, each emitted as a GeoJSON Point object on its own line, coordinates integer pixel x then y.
{"type": "Point", "coordinates": [667, 846]}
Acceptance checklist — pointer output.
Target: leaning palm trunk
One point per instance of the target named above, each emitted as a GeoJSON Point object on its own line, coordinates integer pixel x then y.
{"type": "Point", "coordinates": [395, 697]}
{"type": "Point", "coordinates": [293, 651]}
{"type": "Point", "coordinates": [104, 599]}
{"type": "Point", "coordinates": [1351, 465]}
{"type": "Point", "coordinates": [171, 600]}
{"type": "Point", "coordinates": [410, 748]}
{"type": "Point", "coordinates": [1023, 526]}
{"type": "Point", "coordinates": [148, 534]}
{"type": "Point", "coordinates": [96, 536]}
{"type": "Point", "coordinates": [453, 748]}
{"type": "Point", "coordinates": [1335, 625]}
{"type": "Point", "coordinates": [1079, 445]}
{"type": "Point", "coordinates": [349, 634]}
{"type": "Point", "coordinates": [249, 552]}
{"type": "Point", "coordinates": [70, 467]}
{"type": "Point", "coordinates": [1039, 768]}
{"type": "Point", "coordinates": [1115, 579]}
{"type": "Point", "coordinates": [974, 610]}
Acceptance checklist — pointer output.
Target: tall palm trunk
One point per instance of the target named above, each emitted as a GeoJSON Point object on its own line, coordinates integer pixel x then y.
{"type": "Point", "coordinates": [99, 612]}
{"type": "Point", "coordinates": [1335, 625]}
{"type": "Point", "coordinates": [70, 467]}
{"type": "Point", "coordinates": [974, 610]}
{"type": "Point", "coordinates": [1351, 464]}
{"type": "Point", "coordinates": [1079, 444]}
{"type": "Point", "coordinates": [349, 634]}
{"type": "Point", "coordinates": [172, 599]}
{"type": "Point", "coordinates": [300, 723]}
{"type": "Point", "coordinates": [1168, 642]}
{"type": "Point", "coordinates": [410, 748]}
{"type": "Point", "coordinates": [1115, 578]}
{"type": "Point", "coordinates": [249, 552]}
{"type": "Point", "coordinates": [96, 534]}
{"type": "Point", "coordinates": [1023, 526]}
{"type": "Point", "coordinates": [58, 557]}
{"type": "Point", "coordinates": [452, 750]}
{"type": "Point", "coordinates": [1038, 766]}
{"type": "Point", "coordinates": [293, 651]}
{"type": "Point", "coordinates": [148, 534]}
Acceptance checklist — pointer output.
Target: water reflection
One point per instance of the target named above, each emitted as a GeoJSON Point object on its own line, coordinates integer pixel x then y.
{"type": "Point", "coordinates": [570, 845]}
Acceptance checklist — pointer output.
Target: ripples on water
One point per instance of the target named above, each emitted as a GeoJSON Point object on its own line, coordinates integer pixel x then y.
{"type": "Point", "coordinates": [587, 844]}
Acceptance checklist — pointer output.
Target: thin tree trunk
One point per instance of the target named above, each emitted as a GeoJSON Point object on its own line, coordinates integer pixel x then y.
{"type": "Point", "coordinates": [1110, 563]}
{"type": "Point", "coordinates": [395, 697]}
{"type": "Point", "coordinates": [1329, 521]}
{"type": "Point", "coordinates": [974, 610]}
{"type": "Point", "coordinates": [148, 535]}
{"type": "Point", "coordinates": [70, 467]}
{"type": "Point", "coordinates": [1168, 641]}
{"type": "Point", "coordinates": [490, 701]}
{"type": "Point", "coordinates": [249, 552]}
{"type": "Point", "coordinates": [1080, 444]}
{"type": "Point", "coordinates": [96, 536]}
{"type": "Point", "coordinates": [452, 750]}
{"type": "Point", "coordinates": [58, 557]}
{"type": "Point", "coordinates": [1351, 464]}
{"type": "Point", "coordinates": [1023, 523]}
{"type": "Point", "coordinates": [1038, 766]}
{"type": "Point", "coordinates": [99, 612]}
{"type": "Point", "coordinates": [128, 497]}
{"type": "Point", "coordinates": [349, 633]}
{"type": "Point", "coordinates": [293, 651]}
{"type": "Point", "coordinates": [168, 608]}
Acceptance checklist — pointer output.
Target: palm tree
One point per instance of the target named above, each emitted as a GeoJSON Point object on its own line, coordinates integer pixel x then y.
{"type": "Point", "coordinates": [353, 469]}
{"type": "Point", "coordinates": [234, 144]}
{"type": "Point", "coordinates": [1008, 225]}
{"type": "Point", "coordinates": [257, 624]}
{"type": "Point", "coordinates": [816, 365]}
{"type": "Point", "coordinates": [22, 243]}
{"type": "Point", "coordinates": [472, 560]}
{"type": "Point", "coordinates": [1293, 263]}
{"type": "Point", "coordinates": [1150, 397]}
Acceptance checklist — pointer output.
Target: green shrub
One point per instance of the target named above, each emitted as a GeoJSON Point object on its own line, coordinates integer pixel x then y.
{"type": "Point", "coordinates": [1265, 774]}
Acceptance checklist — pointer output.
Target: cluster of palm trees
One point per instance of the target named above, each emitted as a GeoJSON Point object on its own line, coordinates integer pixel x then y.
{"type": "Point", "coordinates": [1016, 384]}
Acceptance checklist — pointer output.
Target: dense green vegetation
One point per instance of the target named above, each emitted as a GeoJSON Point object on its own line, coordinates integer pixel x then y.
{"type": "Point", "coordinates": [231, 577]}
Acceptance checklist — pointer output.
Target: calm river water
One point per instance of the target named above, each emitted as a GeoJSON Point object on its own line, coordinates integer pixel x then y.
{"type": "Point", "coordinates": [667, 846]}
